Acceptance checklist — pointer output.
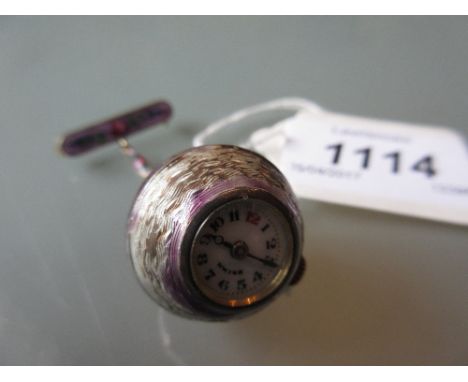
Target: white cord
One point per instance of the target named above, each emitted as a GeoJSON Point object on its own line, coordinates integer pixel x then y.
{"type": "Point", "coordinates": [296, 104]}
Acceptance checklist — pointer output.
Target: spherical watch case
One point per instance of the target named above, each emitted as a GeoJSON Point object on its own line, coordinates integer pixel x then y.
{"type": "Point", "coordinates": [174, 228]}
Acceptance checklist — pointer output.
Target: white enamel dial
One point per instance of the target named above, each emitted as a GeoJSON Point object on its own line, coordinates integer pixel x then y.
{"type": "Point", "coordinates": [242, 252]}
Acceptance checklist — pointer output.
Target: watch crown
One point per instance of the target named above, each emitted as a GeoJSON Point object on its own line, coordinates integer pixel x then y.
{"type": "Point", "coordinates": [299, 273]}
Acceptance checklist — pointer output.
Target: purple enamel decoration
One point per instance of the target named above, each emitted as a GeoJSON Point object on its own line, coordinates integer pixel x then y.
{"type": "Point", "coordinates": [110, 130]}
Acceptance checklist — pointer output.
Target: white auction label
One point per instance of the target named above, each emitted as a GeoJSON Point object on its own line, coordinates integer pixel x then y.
{"type": "Point", "coordinates": [388, 166]}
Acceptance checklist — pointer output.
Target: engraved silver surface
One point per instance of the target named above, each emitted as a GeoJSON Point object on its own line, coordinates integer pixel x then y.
{"type": "Point", "coordinates": [174, 201]}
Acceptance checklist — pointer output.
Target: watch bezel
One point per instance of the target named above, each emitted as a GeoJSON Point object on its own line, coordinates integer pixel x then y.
{"type": "Point", "coordinates": [199, 298]}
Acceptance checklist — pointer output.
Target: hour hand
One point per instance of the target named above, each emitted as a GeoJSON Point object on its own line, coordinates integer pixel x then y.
{"type": "Point", "coordinates": [218, 239]}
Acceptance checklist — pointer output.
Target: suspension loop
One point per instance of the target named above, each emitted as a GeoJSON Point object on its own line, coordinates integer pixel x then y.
{"type": "Point", "coordinates": [140, 163]}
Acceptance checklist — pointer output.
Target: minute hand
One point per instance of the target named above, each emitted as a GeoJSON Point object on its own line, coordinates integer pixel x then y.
{"type": "Point", "coordinates": [269, 263]}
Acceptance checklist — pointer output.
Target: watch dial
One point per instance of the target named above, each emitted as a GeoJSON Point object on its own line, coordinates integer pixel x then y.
{"type": "Point", "coordinates": [242, 252]}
